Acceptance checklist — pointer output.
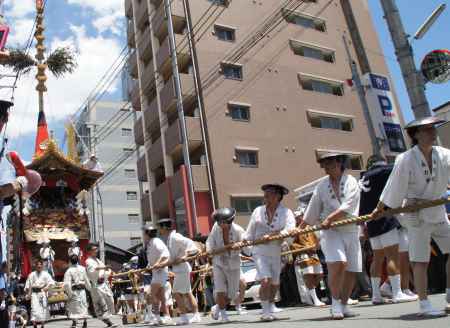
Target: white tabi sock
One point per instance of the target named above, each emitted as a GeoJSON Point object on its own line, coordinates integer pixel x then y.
{"type": "Point", "coordinates": [312, 293]}
{"type": "Point", "coordinates": [395, 284]}
{"type": "Point", "coordinates": [265, 306]}
{"type": "Point", "coordinates": [376, 287]}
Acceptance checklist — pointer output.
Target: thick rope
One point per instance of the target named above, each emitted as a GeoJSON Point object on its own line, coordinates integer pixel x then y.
{"type": "Point", "coordinates": [295, 232]}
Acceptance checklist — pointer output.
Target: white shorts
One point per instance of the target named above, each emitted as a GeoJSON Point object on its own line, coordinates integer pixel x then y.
{"type": "Point", "coordinates": [168, 293]}
{"type": "Point", "coordinates": [340, 246]}
{"type": "Point", "coordinates": [420, 237]}
{"type": "Point", "coordinates": [182, 283]}
{"type": "Point", "coordinates": [387, 239]}
{"type": "Point", "coordinates": [226, 281]}
{"type": "Point", "coordinates": [312, 269]}
{"type": "Point", "coordinates": [160, 276]}
{"type": "Point", "coordinates": [268, 267]}
{"type": "Point", "coordinates": [403, 244]}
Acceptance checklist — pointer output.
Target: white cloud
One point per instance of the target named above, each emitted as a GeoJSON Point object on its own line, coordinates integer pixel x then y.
{"type": "Point", "coordinates": [20, 8]}
{"type": "Point", "coordinates": [20, 32]}
{"type": "Point", "coordinates": [109, 22]}
{"type": "Point", "coordinates": [64, 97]}
{"type": "Point", "coordinates": [109, 13]}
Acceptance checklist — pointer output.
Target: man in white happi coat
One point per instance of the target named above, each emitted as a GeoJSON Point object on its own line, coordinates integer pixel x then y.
{"type": "Point", "coordinates": [76, 282]}
{"type": "Point", "coordinates": [47, 255]}
{"type": "Point", "coordinates": [266, 220]}
{"type": "Point", "coordinates": [421, 173]}
{"type": "Point", "coordinates": [336, 197]}
{"type": "Point", "coordinates": [102, 296]}
{"type": "Point", "coordinates": [157, 257]}
{"type": "Point", "coordinates": [180, 247]}
{"type": "Point", "coordinates": [74, 248]}
{"type": "Point", "coordinates": [36, 287]}
{"type": "Point", "coordinates": [226, 266]}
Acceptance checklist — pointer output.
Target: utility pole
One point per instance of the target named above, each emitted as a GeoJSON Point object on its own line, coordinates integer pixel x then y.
{"type": "Point", "coordinates": [91, 151]}
{"type": "Point", "coordinates": [414, 81]}
{"type": "Point", "coordinates": [362, 98]}
{"type": "Point", "coordinates": [201, 107]}
{"type": "Point", "coordinates": [180, 110]}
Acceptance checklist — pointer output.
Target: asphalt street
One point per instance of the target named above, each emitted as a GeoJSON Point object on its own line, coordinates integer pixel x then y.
{"type": "Point", "coordinates": [368, 316]}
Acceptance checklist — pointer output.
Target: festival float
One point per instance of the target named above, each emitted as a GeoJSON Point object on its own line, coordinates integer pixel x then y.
{"type": "Point", "coordinates": [46, 224]}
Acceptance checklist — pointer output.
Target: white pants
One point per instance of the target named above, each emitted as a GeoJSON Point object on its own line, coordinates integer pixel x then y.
{"type": "Point", "coordinates": [387, 239]}
{"type": "Point", "coordinates": [160, 276]}
{"type": "Point", "coordinates": [39, 307]}
{"type": "Point", "coordinates": [338, 246]}
{"type": "Point", "coordinates": [182, 282]}
{"type": "Point", "coordinates": [168, 293]}
{"type": "Point", "coordinates": [420, 237]}
{"type": "Point", "coordinates": [103, 300]}
{"type": "Point", "coordinates": [403, 241]}
{"type": "Point", "coordinates": [226, 281]}
{"type": "Point", "coordinates": [268, 267]}
{"type": "Point", "coordinates": [77, 305]}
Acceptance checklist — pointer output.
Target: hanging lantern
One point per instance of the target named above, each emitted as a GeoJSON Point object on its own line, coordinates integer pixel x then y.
{"type": "Point", "coordinates": [436, 66]}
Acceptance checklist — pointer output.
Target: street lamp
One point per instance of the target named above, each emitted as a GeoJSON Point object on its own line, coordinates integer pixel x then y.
{"type": "Point", "coordinates": [429, 22]}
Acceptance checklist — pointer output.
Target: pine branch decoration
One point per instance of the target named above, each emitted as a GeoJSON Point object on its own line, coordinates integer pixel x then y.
{"type": "Point", "coordinates": [19, 61]}
{"type": "Point", "coordinates": [61, 61]}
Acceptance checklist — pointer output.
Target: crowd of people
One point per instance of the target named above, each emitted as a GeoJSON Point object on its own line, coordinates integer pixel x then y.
{"type": "Point", "coordinates": [400, 246]}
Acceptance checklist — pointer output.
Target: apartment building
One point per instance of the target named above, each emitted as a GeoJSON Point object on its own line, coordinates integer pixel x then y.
{"type": "Point", "coordinates": [106, 127]}
{"type": "Point", "coordinates": [443, 112]}
{"type": "Point", "coordinates": [276, 88]}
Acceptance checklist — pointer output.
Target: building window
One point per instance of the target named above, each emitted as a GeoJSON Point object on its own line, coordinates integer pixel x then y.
{"type": "Point", "coordinates": [131, 195]}
{"type": "Point", "coordinates": [232, 71]}
{"type": "Point", "coordinates": [134, 241]}
{"type": "Point", "coordinates": [220, 2]}
{"type": "Point", "coordinates": [311, 51]}
{"type": "Point", "coordinates": [239, 112]}
{"type": "Point", "coordinates": [133, 218]}
{"type": "Point", "coordinates": [318, 85]}
{"type": "Point", "coordinates": [355, 162]}
{"type": "Point", "coordinates": [247, 158]}
{"type": "Point", "coordinates": [305, 21]}
{"type": "Point", "coordinates": [126, 132]}
{"type": "Point", "coordinates": [324, 121]}
{"type": "Point", "coordinates": [395, 137]}
{"type": "Point", "coordinates": [130, 173]}
{"type": "Point", "coordinates": [245, 206]}
{"type": "Point", "coordinates": [128, 151]}
{"type": "Point", "coordinates": [225, 33]}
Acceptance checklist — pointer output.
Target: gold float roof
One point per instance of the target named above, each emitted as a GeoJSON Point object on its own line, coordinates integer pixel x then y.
{"type": "Point", "coordinates": [52, 163]}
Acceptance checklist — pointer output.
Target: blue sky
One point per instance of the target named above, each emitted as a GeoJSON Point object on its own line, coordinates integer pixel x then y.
{"type": "Point", "coordinates": [413, 14]}
{"type": "Point", "coordinates": [96, 29]}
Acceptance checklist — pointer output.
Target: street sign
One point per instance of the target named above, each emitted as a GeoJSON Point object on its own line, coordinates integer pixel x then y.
{"type": "Point", "coordinates": [435, 66]}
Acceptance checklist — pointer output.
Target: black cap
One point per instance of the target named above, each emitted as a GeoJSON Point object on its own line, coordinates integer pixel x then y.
{"type": "Point", "coordinates": [424, 121]}
{"type": "Point", "coordinates": [224, 214]}
{"type": "Point", "coordinates": [275, 187]}
{"type": "Point", "coordinates": [166, 223]}
{"type": "Point", "coordinates": [4, 106]}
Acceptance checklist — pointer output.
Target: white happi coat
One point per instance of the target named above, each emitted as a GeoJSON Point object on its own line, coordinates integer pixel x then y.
{"type": "Point", "coordinates": [232, 259]}
{"type": "Point", "coordinates": [48, 256]}
{"type": "Point", "coordinates": [411, 180]}
{"type": "Point", "coordinates": [283, 221]}
{"type": "Point", "coordinates": [101, 293]}
{"type": "Point", "coordinates": [77, 305]}
{"type": "Point", "coordinates": [156, 249]}
{"type": "Point", "coordinates": [39, 301]}
{"type": "Point", "coordinates": [324, 201]}
{"type": "Point", "coordinates": [178, 246]}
